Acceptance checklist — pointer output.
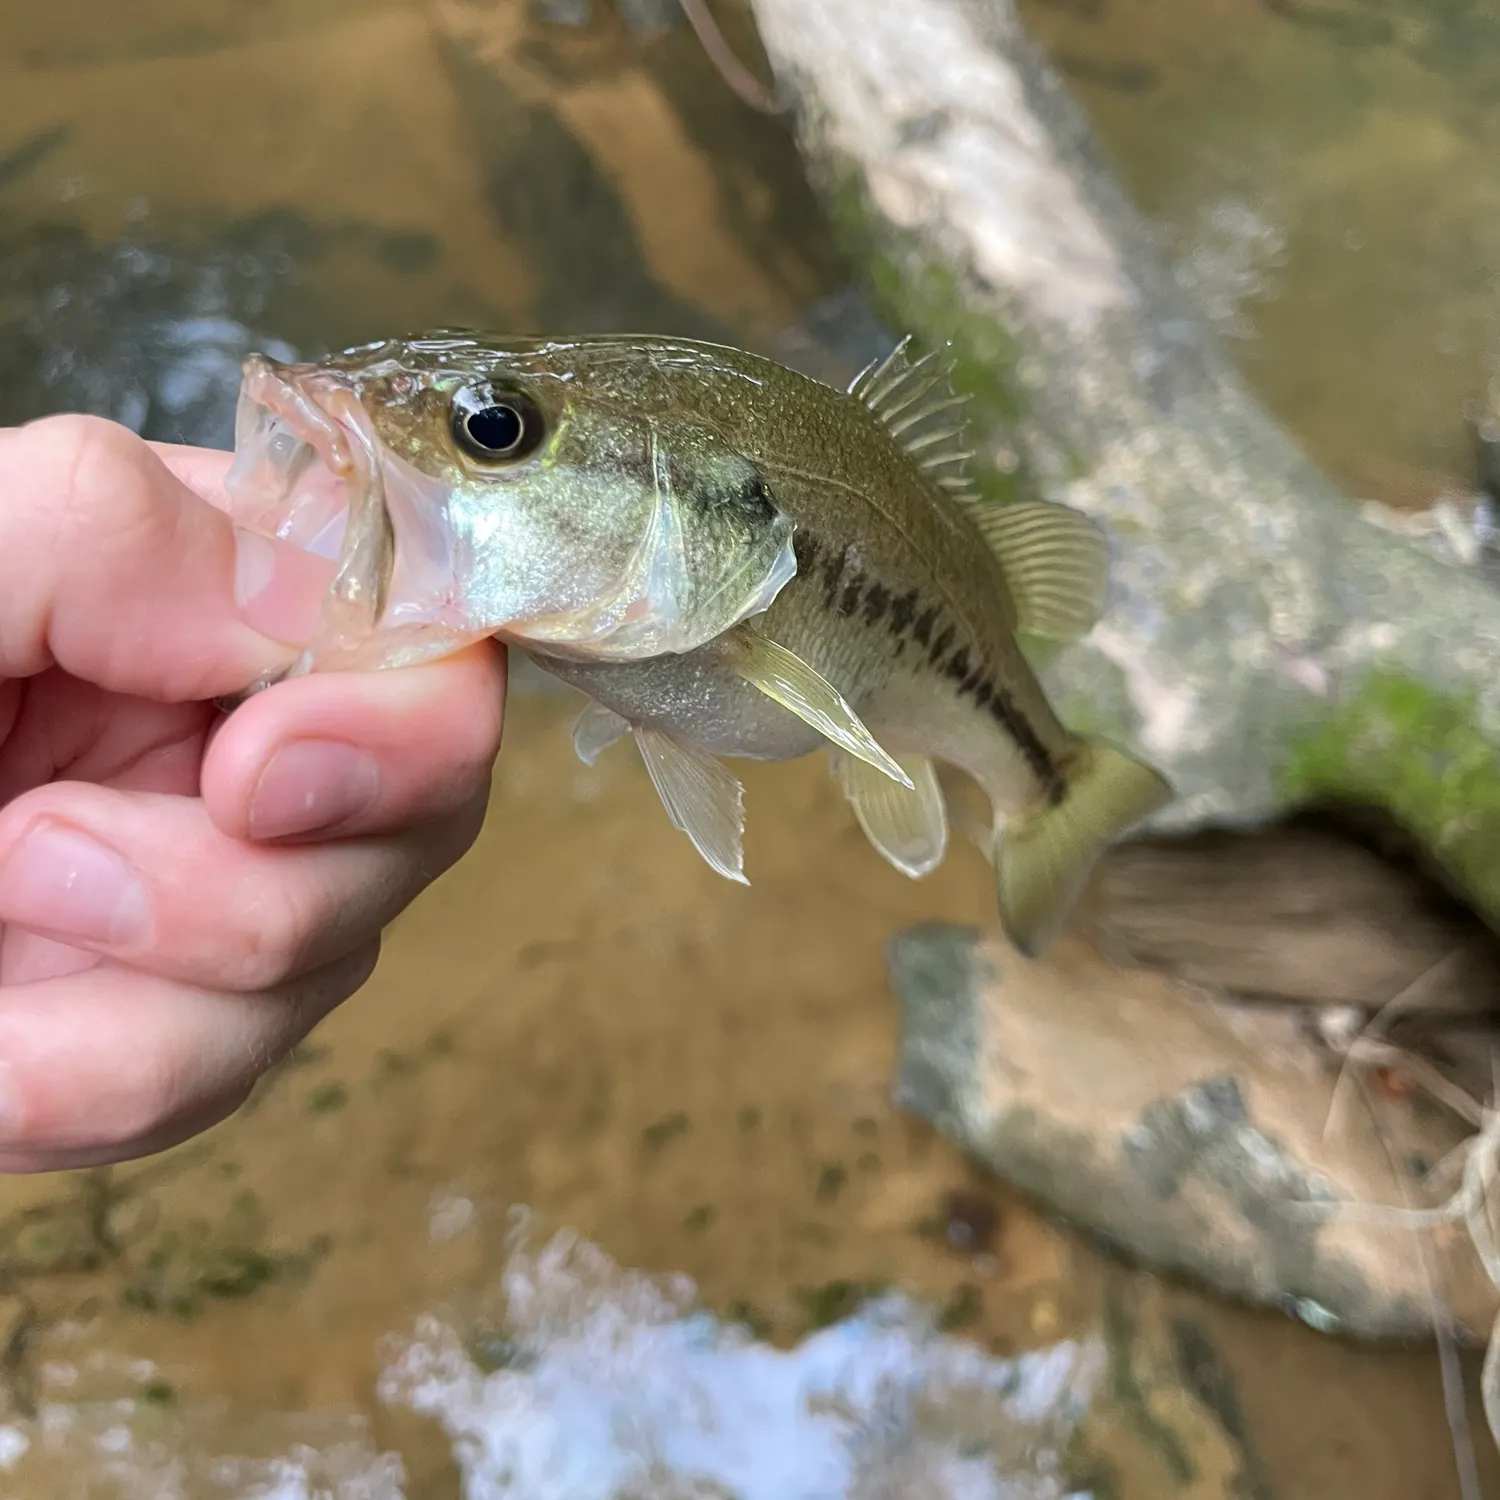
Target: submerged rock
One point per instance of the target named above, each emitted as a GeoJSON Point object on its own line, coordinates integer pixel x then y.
{"type": "Point", "coordinates": [1199, 1137]}
{"type": "Point", "coordinates": [1266, 645]}
{"type": "Point", "coordinates": [598, 1382]}
{"type": "Point", "coordinates": [646, 18]}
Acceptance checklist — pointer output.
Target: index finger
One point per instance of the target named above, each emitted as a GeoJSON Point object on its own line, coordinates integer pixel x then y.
{"type": "Point", "coordinates": [202, 470]}
{"type": "Point", "coordinates": [114, 569]}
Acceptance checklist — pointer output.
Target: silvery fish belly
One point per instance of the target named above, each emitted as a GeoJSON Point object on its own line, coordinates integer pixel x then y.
{"type": "Point", "coordinates": [728, 558]}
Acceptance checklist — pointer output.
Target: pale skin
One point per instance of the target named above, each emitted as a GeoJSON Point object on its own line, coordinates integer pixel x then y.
{"type": "Point", "coordinates": [183, 897]}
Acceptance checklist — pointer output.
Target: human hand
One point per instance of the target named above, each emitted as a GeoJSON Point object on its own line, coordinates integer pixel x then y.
{"type": "Point", "coordinates": [184, 896]}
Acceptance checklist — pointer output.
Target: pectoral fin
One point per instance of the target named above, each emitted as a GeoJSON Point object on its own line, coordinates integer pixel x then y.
{"type": "Point", "coordinates": [909, 827]}
{"type": "Point", "coordinates": [701, 797]}
{"type": "Point", "coordinates": [788, 680]}
{"type": "Point", "coordinates": [1043, 858]}
{"type": "Point", "coordinates": [596, 729]}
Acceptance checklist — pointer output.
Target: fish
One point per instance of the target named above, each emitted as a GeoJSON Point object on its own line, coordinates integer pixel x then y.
{"type": "Point", "coordinates": [729, 559]}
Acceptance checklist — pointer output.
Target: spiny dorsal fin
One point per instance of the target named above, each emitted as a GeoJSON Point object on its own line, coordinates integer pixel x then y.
{"type": "Point", "coordinates": [1056, 559]}
{"type": "Point", "coordinates": [916, 403]}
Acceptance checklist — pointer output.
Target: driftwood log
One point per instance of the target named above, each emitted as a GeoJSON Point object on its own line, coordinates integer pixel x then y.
{"type": "Point", "coordinates": [1322, 690]}
{"type": "Point", "coordinates": [1266, 644]}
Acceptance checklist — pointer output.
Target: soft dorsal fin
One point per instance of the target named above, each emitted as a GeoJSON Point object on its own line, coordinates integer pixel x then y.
{"type": "Point", "coordinates": [1055, 560]}
{"type": "Point", "coordinates": [915, 402]}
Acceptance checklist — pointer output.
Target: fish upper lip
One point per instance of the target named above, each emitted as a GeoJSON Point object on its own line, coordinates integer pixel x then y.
{"type": "Point", "coordinates": [306, 398]}
{"type": "Point", "coordinates": [321, 411]}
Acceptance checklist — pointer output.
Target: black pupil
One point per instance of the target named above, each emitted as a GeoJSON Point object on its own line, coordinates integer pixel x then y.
{"type": "Point", "coordinates": [496, 429]}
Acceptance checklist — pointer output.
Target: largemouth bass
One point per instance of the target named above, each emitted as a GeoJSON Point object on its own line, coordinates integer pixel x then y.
{"type": "Point", "coordinates": [728, 558]}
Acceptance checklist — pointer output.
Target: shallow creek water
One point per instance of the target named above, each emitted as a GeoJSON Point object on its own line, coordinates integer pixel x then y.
{"type": "Point", "coordinates": [356, 1287]}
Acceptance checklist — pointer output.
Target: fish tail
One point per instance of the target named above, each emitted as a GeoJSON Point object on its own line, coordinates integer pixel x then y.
{"type": "Point", "coordinates": [1043, 857]}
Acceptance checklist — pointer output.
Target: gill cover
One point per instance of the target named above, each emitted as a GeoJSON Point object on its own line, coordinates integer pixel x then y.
{"type": "Point", "coordinates": [714, 551]}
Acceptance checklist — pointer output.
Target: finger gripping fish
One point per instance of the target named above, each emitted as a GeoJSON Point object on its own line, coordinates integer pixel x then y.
{"type": "Point", "coordinates": [728, 558]}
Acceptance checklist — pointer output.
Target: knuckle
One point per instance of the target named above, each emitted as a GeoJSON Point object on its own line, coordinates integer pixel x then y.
{"type": "Point", "coordinates": [352, 973]}
{"type": "Point", "coordinates": [77, 477]}
{"type": "Point", "coordinates": [461, 831]}
{"type": "Point", "coordinates": [69, 432]}
{"type": "Point", "coordinates": [276, 933]}
{"type": "Point", "coordinates": [435, 847]}
{"type": "Point", "coordinates": [81, 503]}
{"type": "Point", "coordinates": [105, 491]}
{"type": "Point", "coordinates": [311, 998]}
{"type": "Point", "coordinates": [75, 457]}
{"type": "Point", "coordinates": [466, 715]}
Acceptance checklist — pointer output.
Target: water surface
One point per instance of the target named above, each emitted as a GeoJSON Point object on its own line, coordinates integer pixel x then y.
{"type": "Point", "coordinates": [1324, 172]}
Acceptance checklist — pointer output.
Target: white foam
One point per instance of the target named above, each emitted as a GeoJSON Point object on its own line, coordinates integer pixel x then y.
{"type": "Point", "coordinates": [616, 1384]}
{"type": "Point", "coordinates": [13, 1446]}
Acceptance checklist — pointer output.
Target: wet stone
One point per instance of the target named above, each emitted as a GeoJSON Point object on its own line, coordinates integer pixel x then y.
{"type": "Point", "coordinates": [1199, 1136]}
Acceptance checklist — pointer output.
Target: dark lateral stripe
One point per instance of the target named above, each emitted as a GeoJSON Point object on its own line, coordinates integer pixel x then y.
{"type": "Point", "coordinates": [974, 682]}
{"type": "Point", "coordinates": [1008, 713]}
{"type": "Point", "coordinates": [849, 590]}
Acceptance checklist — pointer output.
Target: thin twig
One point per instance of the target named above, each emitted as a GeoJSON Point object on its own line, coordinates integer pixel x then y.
{"type": "Point", "coordinates": [1455, 1404]}
{"type": "Point", "coordinates": [1377, 1022]}
{"type": "Point", "coordinates": [713, 41]}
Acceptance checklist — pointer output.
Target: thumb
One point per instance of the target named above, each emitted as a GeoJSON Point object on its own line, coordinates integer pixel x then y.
{"type": "Point", "coordinates": [116, 571]}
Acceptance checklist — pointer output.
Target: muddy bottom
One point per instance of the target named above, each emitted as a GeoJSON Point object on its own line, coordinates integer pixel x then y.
{"type": "Point", "coordinates": [584, 1022]}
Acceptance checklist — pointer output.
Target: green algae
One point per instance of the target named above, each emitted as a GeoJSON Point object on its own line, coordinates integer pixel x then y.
{"type": "Point", "coordinates": [1418, 753]}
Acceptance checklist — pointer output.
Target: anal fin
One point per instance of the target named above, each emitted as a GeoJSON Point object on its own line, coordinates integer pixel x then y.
{"type": "Point", "coordinates": [596, 729]}
{"type": "Point", "coordinates": [701, 797]}
{"type": "Point", "coordinates": [908, 826]}
{"type": "Point", "coordinates": [786, 679]}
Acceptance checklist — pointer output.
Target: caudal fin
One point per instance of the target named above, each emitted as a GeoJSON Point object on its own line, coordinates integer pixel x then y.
{"type": "Point", "coordinates": [1043, 857]}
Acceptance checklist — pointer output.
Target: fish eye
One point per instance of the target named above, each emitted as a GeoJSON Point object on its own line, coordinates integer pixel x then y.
{"type": "Point", "coordinates": [496, 426]}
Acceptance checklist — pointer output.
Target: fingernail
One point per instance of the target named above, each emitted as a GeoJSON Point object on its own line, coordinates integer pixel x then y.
{"type": "Point", "coordinates": [61, 882]}
{"type": "Point", "coordinates": [279, 588]}
{"type": "Point", "coordinates": [312, 785]}
{"type": "Point", "coordinates": [12, 1119]}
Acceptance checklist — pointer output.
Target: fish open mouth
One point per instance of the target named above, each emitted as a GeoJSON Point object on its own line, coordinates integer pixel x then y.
{"type": "Point", "coordinates": [310, 470]}
{"type": "Point", "coordinates": [294, 470]}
